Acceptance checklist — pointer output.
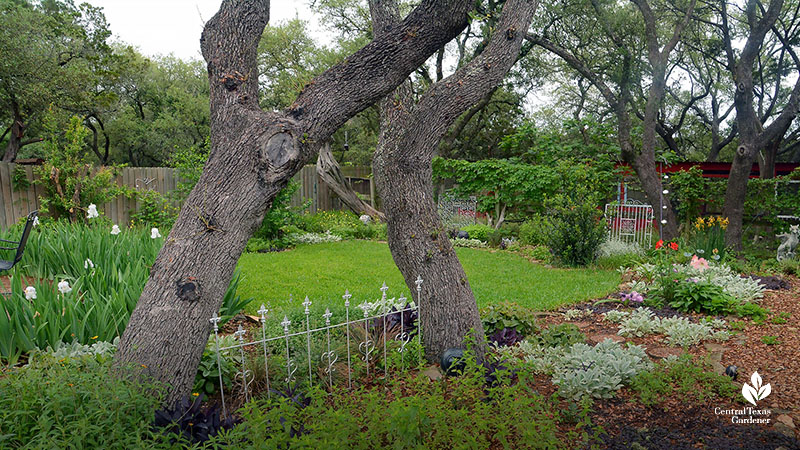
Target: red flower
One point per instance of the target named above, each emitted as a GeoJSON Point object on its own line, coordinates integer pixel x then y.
{"type": "Point", "coordinates": [674, 246]}
{"type": "Point", "coordinates": [659, 244]}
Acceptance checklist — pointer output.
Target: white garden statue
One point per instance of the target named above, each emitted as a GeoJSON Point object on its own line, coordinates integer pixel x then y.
{"type": "Point", "coordinates": [789, 242]}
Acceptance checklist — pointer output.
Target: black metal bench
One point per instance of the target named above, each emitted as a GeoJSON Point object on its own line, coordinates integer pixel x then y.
{"type": "Point", "coordinates": [19, 245]}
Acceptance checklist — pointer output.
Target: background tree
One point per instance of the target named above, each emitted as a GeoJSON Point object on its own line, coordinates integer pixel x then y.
{"type": "Point", "coordinates": [49, 49]}
{"type": "Point", "coordinates": [757, 22]}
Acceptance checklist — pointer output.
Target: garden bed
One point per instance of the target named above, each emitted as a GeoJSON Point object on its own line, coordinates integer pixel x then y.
{"type": "Point", "coordinates": [772, 348]}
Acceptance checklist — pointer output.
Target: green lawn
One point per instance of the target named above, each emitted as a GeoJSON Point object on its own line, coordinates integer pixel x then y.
{"type": "Point", "coordinates": [323, 271]}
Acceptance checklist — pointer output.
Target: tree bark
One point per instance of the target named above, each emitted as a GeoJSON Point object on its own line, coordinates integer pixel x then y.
{"type": "Point", "coordinates": [253, 155]}
{"type": "Point", "coordinates": [410, 135]}
{"type": "Point", "coordinates": [752, 135]}
{"type": "Point", "coordinates": [17, 131]}
{"type": "Point", "coordinates": [330, 172]}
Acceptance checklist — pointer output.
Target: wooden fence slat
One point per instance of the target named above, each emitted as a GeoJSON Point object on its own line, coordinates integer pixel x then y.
{"type": "Point", "coordinates": [5, 193]}
{"type": "Point", "coordinates": [16, 204]}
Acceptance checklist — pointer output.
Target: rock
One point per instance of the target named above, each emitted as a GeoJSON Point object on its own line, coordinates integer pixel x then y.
{"type": "Point", "coordinates": [365, 219]}
{"type": "Point", "coordinates": [712, 347]}
{"type": "Point", "coordinates": [582, 325]}
{"type": "Point", "coordinates": [719, 369]}
{"type": "Point", "coordinates": [598, 338]}
{"type": "Point", "coordinates": [462, 234]}
{"type": "Point", "coordinates": [786, 420]}
{"type": "Point", "coordinates": [664, 352]}
{"type": "Point", "coordinates": [784, 429]}
{"type": "Point", "coordinates": [433, 373]}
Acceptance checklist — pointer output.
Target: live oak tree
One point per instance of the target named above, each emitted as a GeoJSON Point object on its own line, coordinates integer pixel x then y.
{"type": "Point", "coordinates": [49, 52]}
{"type": "Point", "coordinates": [601, 43]}
{"type": "Point", "coordinates": [410, 135]}
{"type": "Point", "coordinates": [253, 155]}
{"type": "Point", "coordinates": [753, 134]}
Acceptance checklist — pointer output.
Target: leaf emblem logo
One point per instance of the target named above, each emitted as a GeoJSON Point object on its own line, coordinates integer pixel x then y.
{"type": "Point", "coordinates": [755, 392]}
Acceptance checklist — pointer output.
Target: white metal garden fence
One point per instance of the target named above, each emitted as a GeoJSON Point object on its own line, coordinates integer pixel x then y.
{"type": "Point", "coordinates": [630, 222]}
{"type": "Point", "coordinates": [381, 321]}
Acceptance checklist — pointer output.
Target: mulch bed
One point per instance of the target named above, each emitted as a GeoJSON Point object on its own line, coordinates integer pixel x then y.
{"type": "Point", "coordinates": [674, 424]}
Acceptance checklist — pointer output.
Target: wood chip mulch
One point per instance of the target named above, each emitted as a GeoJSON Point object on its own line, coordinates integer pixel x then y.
{"type": "Point", "coordinates": [675, 424]}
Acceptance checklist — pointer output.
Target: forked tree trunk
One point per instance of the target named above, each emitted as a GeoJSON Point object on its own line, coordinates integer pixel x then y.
{"type": "Point", "coordinates": [253, 155]}
{"type": "Point", "coordinates": [752, 135]}
{"type": "Point", "coordinates": [410, 135]}
{"type": "Point", "coordinates": [330, 172]}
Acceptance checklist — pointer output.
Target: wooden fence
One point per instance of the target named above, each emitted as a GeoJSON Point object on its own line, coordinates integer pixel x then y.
{"type": "Point", "coordinates": [16, 203]}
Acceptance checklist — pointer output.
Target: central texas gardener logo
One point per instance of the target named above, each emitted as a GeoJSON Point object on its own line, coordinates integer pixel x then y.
{"type": "Point", "coordinates": [755, 392]}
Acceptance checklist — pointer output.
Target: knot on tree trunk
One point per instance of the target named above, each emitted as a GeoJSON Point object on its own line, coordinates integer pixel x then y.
{"type": "Point", "coordinates": [741, 150]}
{"type": "Point", "coordinates": [189, 289]}
{"type": "Point", "coordinates": [511, 33]}
{"type": "Point", "coordinates": [232, 81]}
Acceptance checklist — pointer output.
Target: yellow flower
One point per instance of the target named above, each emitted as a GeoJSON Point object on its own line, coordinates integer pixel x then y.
{"type": "Point", "coordinates": [94, 337]}
{"type": "Point", "coordinates": [195, 394]}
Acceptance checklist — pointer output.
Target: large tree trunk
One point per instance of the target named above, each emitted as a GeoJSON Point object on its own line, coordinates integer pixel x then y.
{"type": "Point", "coordinates": [752, 135]}
{"type": "Point", "coordinates": [410, 135]}
{"type": "Point", "coordinates": [15, 137]}
{"type": "Point", "coordinates": [330, 172]}
{"type": "Point", "coordinates": [253, 155]}
{"type": "Point", "coordinates": [766, 159]}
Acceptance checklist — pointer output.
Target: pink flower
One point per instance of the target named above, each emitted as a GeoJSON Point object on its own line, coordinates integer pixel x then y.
{"type": "Point", "coordinates": [699, 263]}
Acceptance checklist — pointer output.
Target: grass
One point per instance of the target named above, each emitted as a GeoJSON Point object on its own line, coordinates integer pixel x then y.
{"type": "Point", "coordinates": [323, 272]}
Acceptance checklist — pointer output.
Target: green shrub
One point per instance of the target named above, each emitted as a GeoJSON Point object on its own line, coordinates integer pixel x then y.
{"type": "Point", "coordinates": [155, 210]}
{"type": "Point", "coordinates": [281, 214]}
{"type": "Point", "coordinates": [328, 220]}
{"type": "Point", "coordinates": [538, 253]}
{"type": "Point", "coordinates": [463, 413]}
{"type": "Point", "coordinates": [533, 232]}
{"type": "Point", "coordinates": [574, 228]}
{"type": "Point", "coordinates": [702, 296]}
{"type": "Point", "coordinates": [67, 179]}
{"type": "Point", "coordinates": [561, 335]}
{"type": "Point", "coordinates": [681, 376]}
{"type": "Point", "coordinates": [208, 372]}
{"type": "Point", "coordinates": [479, 231]}
{"type": "Point", "coordinates": [75, 403]}
{"type": "Point", "coordinates": [790, 267]}
{"type": "Point", "coordinates": [508, 315]}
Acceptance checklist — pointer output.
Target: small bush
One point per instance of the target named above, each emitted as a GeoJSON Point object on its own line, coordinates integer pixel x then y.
{"type": "Point", "coordinates": [538, 253]}
{"type": "Point", "coordinates": [508, 315]}
{"type": "Point", "coordinates": [532, 231]}
{"type": "Point", "coordinates": [561, 335]}
{"type": "Point", "coordinates": [790, 267]}
{"type": "Point", "coordinates": [479, 231]}
{"type": "Point", "coordinates": [574, 229]}
{"type": "Point", "coordinates": [680, 375]}
{"type": "Point", "coordinates": [75, 403]}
